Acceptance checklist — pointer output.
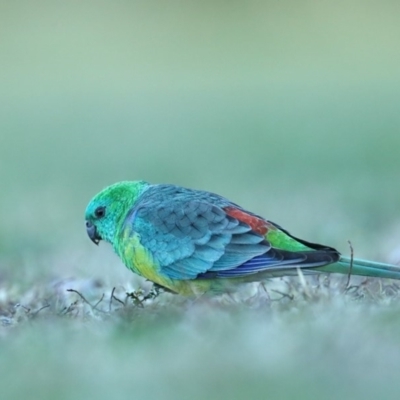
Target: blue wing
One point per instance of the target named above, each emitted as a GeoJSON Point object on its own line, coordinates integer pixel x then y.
{"type": "Point", "coordinates": [193, 237]}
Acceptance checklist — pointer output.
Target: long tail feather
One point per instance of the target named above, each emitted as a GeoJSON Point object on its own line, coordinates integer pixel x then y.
{"type": "Point", "coordinates": [363, 268]}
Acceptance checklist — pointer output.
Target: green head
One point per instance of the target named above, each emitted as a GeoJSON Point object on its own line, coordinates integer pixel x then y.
{"type": "Point", "coordinates": [107, 210]}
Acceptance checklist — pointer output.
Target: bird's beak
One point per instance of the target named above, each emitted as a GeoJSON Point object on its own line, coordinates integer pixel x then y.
{"type": "Point", "coordinates": [92, 233]}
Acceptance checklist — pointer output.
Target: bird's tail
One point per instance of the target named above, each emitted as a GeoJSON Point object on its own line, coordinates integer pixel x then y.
{"type": "Point", "coordinates": [362, 267]}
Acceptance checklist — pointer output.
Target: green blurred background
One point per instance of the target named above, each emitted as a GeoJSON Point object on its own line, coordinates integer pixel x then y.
{"type": "Point", "coordinates": [289, 108]}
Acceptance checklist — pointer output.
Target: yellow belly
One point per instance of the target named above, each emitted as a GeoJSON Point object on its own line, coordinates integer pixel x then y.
{"type": "Point", "coordinates": [140, 261]}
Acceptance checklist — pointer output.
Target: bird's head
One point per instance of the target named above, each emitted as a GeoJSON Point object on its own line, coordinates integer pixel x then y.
{"type": "Point", "coordinates": [107, 210]}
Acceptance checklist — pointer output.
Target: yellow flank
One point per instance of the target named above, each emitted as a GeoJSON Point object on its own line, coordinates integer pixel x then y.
{"type": "Point", "coordinates": [140, 261]}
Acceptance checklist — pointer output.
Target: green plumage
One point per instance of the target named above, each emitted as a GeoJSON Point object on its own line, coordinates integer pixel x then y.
{"type": "Point", "coordinates": [192, 241]}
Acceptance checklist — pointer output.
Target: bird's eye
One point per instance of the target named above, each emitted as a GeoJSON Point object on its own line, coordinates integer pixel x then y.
{"type": "Point", "coordinates": [100, 212]}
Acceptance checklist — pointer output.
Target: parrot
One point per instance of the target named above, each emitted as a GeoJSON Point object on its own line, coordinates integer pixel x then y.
{"type": "Point", "coordinates": [191, 242]}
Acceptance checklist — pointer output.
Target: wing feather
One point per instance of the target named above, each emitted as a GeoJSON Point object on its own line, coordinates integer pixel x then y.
{"type": "Point", "coordinates": [190, 235]}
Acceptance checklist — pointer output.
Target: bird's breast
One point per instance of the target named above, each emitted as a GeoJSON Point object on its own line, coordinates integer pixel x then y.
{"type": "Point", "coordinates": [137, 258]}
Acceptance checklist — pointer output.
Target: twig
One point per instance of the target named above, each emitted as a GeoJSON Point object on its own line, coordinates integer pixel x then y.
{"type": "Point", "coordinates": [68, 309]}
{"type": "Point", "coordinates": [351, 264]}
{"type": "Point", "coordinates": [87, 302]}
{"type": "Point", "coordinates": [80, 295]}
{"type": "Point", "coordinates": [136, 299]}
{"type": "Point", "coordinates": [111, 297]}
{"type": "Point", "coordinates": [139, 297]}
{"type": "Point", "coordinates": [115, 298]}
{"type": "Point", "coordinates": [27, 309]}
{"type": "Point", "coordinates": [40, 309]}
{"type": "Point", "coordinates": [289, 296]}
{"type": "Point", "coordinates": [265, 290]}
{"type": "Point", "coordinates": [95, 306]}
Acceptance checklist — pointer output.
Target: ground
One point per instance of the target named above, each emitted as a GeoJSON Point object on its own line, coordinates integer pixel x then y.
{"type": "Point", "coordinates": [321, 338]}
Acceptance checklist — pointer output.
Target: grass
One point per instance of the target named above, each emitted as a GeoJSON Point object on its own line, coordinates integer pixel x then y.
{"type": "Point", "coordinates": [291, 341]}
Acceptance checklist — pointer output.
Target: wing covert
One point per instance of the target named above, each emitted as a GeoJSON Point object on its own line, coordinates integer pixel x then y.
{"type": "Point", "coordinates": [194, 234]}
{"type": "Point", "coordinates": [188, 238]}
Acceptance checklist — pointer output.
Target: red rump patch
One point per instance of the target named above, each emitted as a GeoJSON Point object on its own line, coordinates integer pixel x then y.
{"type": "Point", "coordinates": [257, 224]}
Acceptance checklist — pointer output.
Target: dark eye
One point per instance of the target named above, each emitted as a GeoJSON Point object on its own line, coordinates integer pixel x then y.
{"type": "Point", "coordinates": [100, 212]}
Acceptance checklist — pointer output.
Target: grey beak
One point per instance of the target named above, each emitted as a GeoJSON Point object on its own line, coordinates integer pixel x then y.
{"type": "Point", "coordinates": [92, 233]}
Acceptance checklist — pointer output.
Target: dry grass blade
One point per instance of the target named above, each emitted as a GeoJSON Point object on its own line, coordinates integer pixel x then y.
{"type": "Point", "coordinates": [351, 264]}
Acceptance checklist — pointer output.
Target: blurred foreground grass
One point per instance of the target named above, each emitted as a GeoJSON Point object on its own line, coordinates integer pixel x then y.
{"type": "Point", "coordinates": [324, 342]}
{"type": "Point", "coordinates": [288, 108]}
